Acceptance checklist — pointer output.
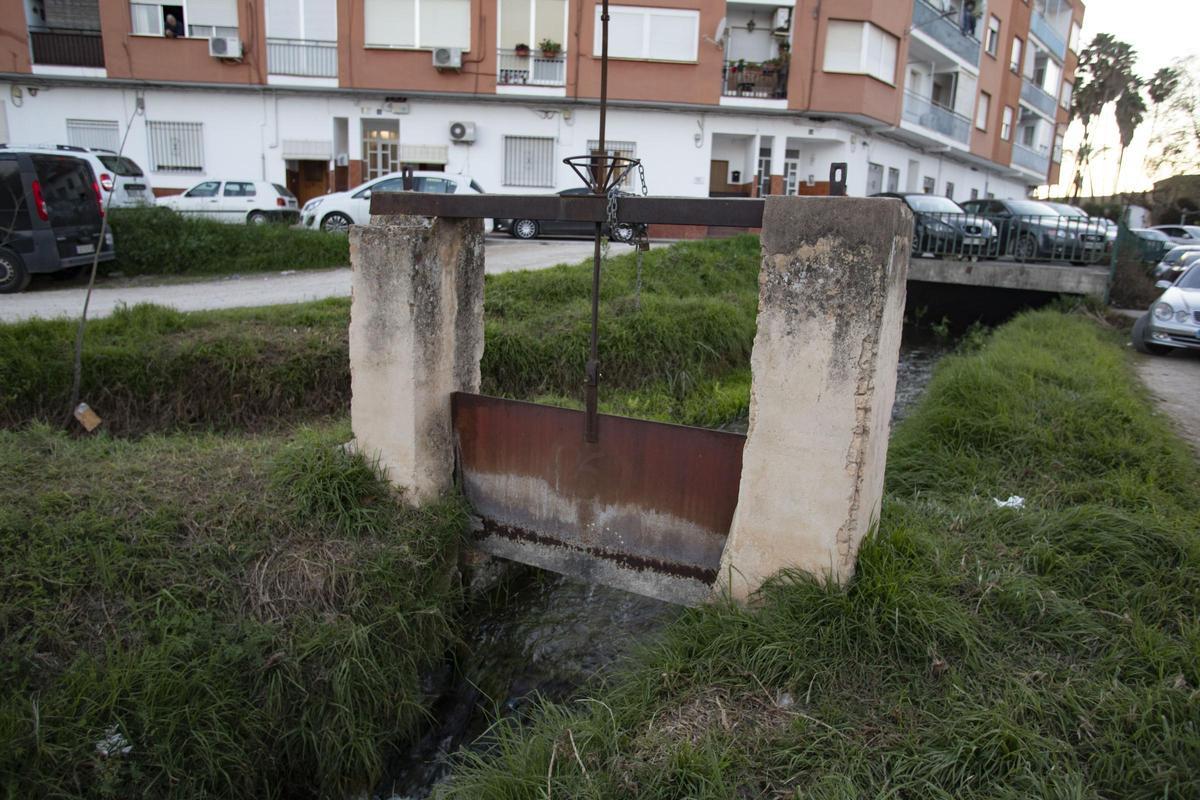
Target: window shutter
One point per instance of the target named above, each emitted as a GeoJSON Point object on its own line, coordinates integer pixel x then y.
{"type": "Point", "coordinates": [320, 20]}
{"type": "Point", "coordinates": [445, 23]}
{"type": "Point", "coordinates": [390, 23]}
{"type": "Point", "coordinates": [283, 19]}
{"type": "Point", "coordinates": [218, 13]}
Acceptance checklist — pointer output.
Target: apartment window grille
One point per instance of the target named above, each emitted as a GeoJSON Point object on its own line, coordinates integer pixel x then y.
{"type": "Point", "coordinates": [992, 45]}
{"type": "Point", "coordinates": [100, 133]}
{"type": "Point", "coordinates": [860, 48]}
{"type": "Point", "coordinates": [893, 179]}
{"type": "Point", "coordinates": [1006, 123]}
{"type": "Point", "coordinates": [950, 189]}
{"type": "Point", "coordinates": [381, 147]}
{"type": "Point", "coordinates": [928, 185]}
{"type": "Point", "coordinates": [659, 34]}
{"type": "Point", "coordinates": [1058, 148]}
{"type": "Point", "coordinates": [612, 148]}
{"type": "Point", "coordinates": [176, 146]}
{"type": "Point", "coordinates": [982, 111]}
{"type": "Point", "coordinates": [1014, 57]}
{"type": "Point", "coordinates": [1064, 98]}
{"type": "Point", "coordinates": [419, 24]}
{"type": "Point", "coordinates": [212, 31]}
{"type": "Point", "coordinates": [529, 161]}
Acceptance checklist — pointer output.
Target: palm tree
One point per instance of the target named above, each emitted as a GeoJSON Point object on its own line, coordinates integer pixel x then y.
{"type": "Point", "coordinates": [1161, 87]}
{"type": "Point", "coordinates": [1131, 110]}
{"type": "Point", "coordinates": [1106, 73]}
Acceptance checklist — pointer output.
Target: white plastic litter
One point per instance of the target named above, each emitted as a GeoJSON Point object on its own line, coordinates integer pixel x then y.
{"type": "Point", "coordinates": [113, 744]}
{"type": "Point", "coordinates": [1013, 501]}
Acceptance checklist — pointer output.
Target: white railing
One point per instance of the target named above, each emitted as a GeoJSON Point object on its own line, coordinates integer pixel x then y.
{"type": "Point", "coordinates": [531, 69]}
{"type": "Point", "coordinates": [303, 57]}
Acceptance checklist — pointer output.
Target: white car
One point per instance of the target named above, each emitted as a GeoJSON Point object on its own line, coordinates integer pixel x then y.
{"type": "Point", "coordinates": [336, 212]}
{"type": "Point", "coordinates": [1173, 321]}
{"type": "Point", "coordinates": [121, 180]}
{"type": "Point", "coordinates": [1180, 234]}
{"type": "Point", "coordinates": [238, 201]}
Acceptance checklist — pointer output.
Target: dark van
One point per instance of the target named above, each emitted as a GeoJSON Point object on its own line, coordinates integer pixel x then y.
{"type": "Point", "coordinates": [50, 216]}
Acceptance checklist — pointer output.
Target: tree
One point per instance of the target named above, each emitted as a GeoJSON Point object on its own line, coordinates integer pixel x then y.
{"type": "Point", "coordinates": [1175, 148]}
{"type": "Point", "coordinates": [1105, 75]}
{"type": "Point", "coordinates": [1131, 110]}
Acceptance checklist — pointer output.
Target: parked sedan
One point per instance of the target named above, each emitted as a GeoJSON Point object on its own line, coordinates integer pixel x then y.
{"type": "Point", "coordinates": [532, 228]}
{"type": "Point", "coordinates": [336, 212]}
{"type": "Point", "coordinates": [1176, 261]}
{"type": "Point", "coordinates": [942, 227]}
{"type": "Point", "coordinates": [1030, 230]}
{"type": "Point", "coordinates": [1173, 321]}
{"type": "Point", "coordinates": [1180, 234]}
{"type": "Point", "coordinates": [240, 201]}
{"type": "Point", "coordinates": [1067, 210]}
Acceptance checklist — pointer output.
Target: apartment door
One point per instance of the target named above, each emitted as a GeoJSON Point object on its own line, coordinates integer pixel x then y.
{"type": "Point", "coordinates": [874, 179]}
{"type": "Point", "coordinates": [717, 183]}
{"type": "Point", "coordinates": [306, 179]}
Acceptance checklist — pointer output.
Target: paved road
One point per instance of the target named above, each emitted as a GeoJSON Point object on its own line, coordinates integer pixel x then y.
{"type": "Point", "coordinates": [1174, 381]}
{"type": "Point", "coordinates": [46, 299]}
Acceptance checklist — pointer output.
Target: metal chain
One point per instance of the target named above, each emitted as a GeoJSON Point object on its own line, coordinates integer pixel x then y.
{"type": "Point", "coordinates": [642, 176]}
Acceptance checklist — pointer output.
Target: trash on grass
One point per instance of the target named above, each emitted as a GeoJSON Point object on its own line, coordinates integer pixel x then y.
{"type": "Point", "coordinates": [89, 419]}
{"type": "Point", "coordinates": [1013, 501]}
{"type": "Point", "coordinates": [113, 744]}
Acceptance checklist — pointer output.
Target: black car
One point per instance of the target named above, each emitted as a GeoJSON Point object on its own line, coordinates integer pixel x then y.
{"type": "Point", "coordinates": [532, 228]}
{"type": "Point", "coordinates": [941, 227]}
{"type": "Point", "coordinates": [1031, 230]}
{"type": "Point", "coordinates": [50, 216]}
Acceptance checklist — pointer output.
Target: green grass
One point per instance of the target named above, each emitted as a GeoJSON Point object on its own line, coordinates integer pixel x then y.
{"type": "Point", "coordinates": [153, 369]}
{"type": "Point", "coordinates": [157, 241]}
{"type": "Point", "coordinates": [252, 616]}
{"type": "Point", "coordinates": [1052, 652]}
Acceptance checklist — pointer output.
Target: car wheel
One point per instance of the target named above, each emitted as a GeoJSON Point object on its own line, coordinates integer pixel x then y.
{"type": "Point", "coordinates": [13, 275]}
{"type": "Point", "coordinates": [524, 228]}
{"type": "Point", "coordinates": [1141, 330]}
{"type": "Point", "coordinates": [258, 218]}
{"type": "Point", "coordinates": [337, 222]}
{"type": "Point", "coordinates": [1025, 248]}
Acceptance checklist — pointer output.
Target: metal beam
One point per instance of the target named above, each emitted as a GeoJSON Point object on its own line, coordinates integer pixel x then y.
{"type": "Point", "coordinates": [732, 212]}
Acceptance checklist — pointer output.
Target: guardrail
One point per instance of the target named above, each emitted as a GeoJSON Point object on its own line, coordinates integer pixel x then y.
{"type": "Point", "coordinates": [928, 114]}
{"type": "Point", "coordinates": [306, 58]}
{"type": "Point", "coordinates": [739, 79]}
{"type": "Point", "coordinates": [1038, 97]}
{"type": "Point", "coordinates": [1025, 239]}
{"type": "Point", "coordinates": [531, 69]}
{"type": "Point", "coordinates": [1024, 157]}
{"type": "Point", "coordinates": [67, 47]}
{"type": "Point", "coordinates": [1044, 30]}
{"type": "Point", "coordinates": [946, 28]}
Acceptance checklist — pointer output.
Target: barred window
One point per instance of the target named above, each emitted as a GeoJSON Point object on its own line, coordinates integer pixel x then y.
{"type": "Point", "coordinates": [99, 133]}
{"type": "Point", "coordinates": [623, 149]}
{"type": "Point", "coordinates": [176, 146]}
{"type": "Point", "coordinates": [529, 161]}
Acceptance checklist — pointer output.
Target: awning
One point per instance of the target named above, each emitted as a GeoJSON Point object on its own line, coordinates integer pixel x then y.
{"type": "Point", "coordinates": [307, 149]}
{"type": "Point", "coordinates": [424, 153]}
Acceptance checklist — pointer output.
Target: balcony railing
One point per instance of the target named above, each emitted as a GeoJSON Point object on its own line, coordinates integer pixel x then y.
{"type": "Point", "coordinates": [306, 58]}
{"type": "Point", "coordinates": [928, 114]}
{"type": "Point", "coordinates": [1044, 30]}
{"type": "Point", "coordinates": [1037, 97]}
{"type": "Point", "coordinates": [67, 47]}
{"type": "Point", "coordinates": [739, 79]}
{"type": "Point", "coordinates": [1024, 157]}
{"type": "Point", "coordinates": [531, 69]}
{"type": "Point", "coordinates": [946, 28]}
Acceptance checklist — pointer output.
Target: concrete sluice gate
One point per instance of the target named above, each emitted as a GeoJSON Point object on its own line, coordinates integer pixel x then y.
{"type": "Point", "coordinates": [667, 511]}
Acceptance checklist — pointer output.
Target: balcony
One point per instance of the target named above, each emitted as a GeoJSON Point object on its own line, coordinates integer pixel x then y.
{"type": "Point", "coordinates": [1033, 161]}
{"type": "Point", "coordinates": [531, 69]}
{"type": "Point", "coordinates": [922, 111]}
{"type": "Point", "coordinates": [945, 28]}
{"type": "Point", "coordinates": [1038, 98]}
{"type": "Point", "coordinates": [1044, 30]}
{"type": "Point", "coordinates": [302, 58]}
{"type": "Point", "coordinates": [67, 47]}
{"type": "Point", "coordinates": [744, 79]}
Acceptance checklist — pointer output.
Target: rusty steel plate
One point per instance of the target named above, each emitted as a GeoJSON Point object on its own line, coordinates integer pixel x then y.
{"type": "Point", "coordinates": [647, 508]}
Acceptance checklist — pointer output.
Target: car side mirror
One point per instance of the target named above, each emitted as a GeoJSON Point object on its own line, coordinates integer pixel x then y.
{"type": "Point", "coordinates": [366, 195]}
{"type": "Point", "coordinates": [1163, 285]}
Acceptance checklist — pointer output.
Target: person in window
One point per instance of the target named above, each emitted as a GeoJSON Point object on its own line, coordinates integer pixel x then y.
{"type": "Point", "coordinates": [172, 27]}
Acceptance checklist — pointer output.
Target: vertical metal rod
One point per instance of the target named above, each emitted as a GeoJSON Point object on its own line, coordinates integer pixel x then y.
{"type": "Point", "coordinates": [603, 86]}
{"type": "Point", "coordinates": [591, 430]}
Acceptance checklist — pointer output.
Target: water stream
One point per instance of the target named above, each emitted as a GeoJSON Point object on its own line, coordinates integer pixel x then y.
{"type": "Point", "coordinates": [542, 634]}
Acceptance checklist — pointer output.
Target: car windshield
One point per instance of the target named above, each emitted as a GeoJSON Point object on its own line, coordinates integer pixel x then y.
{"type": "Point", "coordinates": [932, 204]}
{"type": "Point", "coordinates": [1068, 211]}
{"type": "Point", "coordinates": [1190, 279]}
{"type": "Point", "coordinates": [121, 165]}
{"type": "Point", "coordinates": [1176, 255]}
{"type": "Point", "coordinates": [1031, 208]}
{"type": "Point", "coordinates": [1154, 236]}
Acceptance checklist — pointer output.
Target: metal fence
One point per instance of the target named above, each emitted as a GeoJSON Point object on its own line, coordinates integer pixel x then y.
{"type": "Point", "coordinates": [739, 79]}
{"type": "Point", "coordinates": [303, 57]}
{"type": "Point", "coordinates": [944, 23]}
{"type": "Point", "coordinates": [531, 69]}
{"type": "Point", "coordinates": [928, 114]}
{"type": "Point", "coordinates": [67, 47]}
{"type": "Point", "coordinates": [1073, 240]}
{"type": "Point", "coordinates": [1038, 97]}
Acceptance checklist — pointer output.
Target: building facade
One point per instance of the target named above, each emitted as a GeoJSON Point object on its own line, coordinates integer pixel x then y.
{"type": "Point", "coordinates": [965, 98]}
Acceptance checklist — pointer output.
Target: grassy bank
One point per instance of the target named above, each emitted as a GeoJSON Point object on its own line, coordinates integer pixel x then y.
{"type": "Point", "coordinates": [979, 652]}
{"type": "Point", "coordinates": [251, 617]}
{"type": "Point", "coordinates": [153, 369]}
{"type": "Point", "coordinates": [157, 241]}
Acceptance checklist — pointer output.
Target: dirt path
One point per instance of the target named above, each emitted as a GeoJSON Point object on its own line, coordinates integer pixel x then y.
{"type": "Point", "coordinates": [1174, 381]}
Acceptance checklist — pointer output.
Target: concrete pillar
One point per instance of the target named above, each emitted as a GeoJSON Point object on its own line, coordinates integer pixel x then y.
{"type": "Point", "coordinates": [416, 335]}
{"type": "Point", "coordinates": [831, 303]}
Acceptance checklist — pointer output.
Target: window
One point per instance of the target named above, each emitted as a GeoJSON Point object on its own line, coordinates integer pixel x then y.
{"type": "Point", "coordinates": [100, 133]}
{"type": "Point", "coordinates": [974, 194]}
{"type": "Point", "coordinates": [1058, 148]}
{"type": "Point", "coordinates": [525, 22]}
{"type": "Point", "coordinates": [1074, 40]}
{"type": "Point", "coordinates": [650, 34]}
{"type": "Point", "coordinates": [949, 190]}
{"type": "Point", "coordinates": [417, 23]}
{"type": "Point", "coordinates": [150, 19]}
{"type": "Point", "coordinates": [623, 149]}
{"type": "Point", "coordinates": [206, 189]}
{"type": "Point", "coordinates": [982, 111]}
{"type": "Point", "coordinates": [928, 185]}
{"type": "Point", "coordinates": [176, 146]}
{"type": "Point", "coordinates": [14, 209]}
{"type": "Point", "coordinates": [529, 161]}
{"type": "Point", "coordinates": [993, 36]}
{"type": "Point", "coordinates": [1064, 97]}
{"type": "Point", "coordinates": [1006, 123]}
{"type": "Point", "coordinates": [893, 179]}
{"type": "Point", "coordinates": [861, 48]}
{"type": "Point", "coordinates": [434, 185]}
{"type": "Point", "coordinates": [381, 146]}
{"type": "Point", "coordinates": [308, 20]}
{"type": "Point", "coordinates": [237, 189]}
{"type": "Point", "coordinates": [764, 171]}
{"type": "Point", "coordinates": [1014, 58]}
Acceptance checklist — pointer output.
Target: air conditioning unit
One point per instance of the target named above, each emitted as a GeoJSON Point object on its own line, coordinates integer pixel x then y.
{"type": "Point", "coordinates": [783, 21]}
{"type": "Point", "coordinates": [447, 57]}
{"type": "Point", "coordinates": [225, 47]}
{"type": "Point", "coordinates": [341, 160]}
{"type": "Point", "coordinates": [462, 132]}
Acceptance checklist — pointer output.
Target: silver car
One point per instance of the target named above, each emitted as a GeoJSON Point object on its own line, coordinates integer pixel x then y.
{"type": "Point", "coordinates": [1173, 320]}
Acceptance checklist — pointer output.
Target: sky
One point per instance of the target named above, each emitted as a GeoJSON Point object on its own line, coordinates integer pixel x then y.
{"type": "Point", "coordinates": [1160, 31]}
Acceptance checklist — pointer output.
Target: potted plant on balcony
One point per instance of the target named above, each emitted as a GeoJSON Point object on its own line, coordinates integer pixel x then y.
{"type": "Point", "coordinates": [549, 48]}
{"type": "Point", "coordinates": [522, 50]}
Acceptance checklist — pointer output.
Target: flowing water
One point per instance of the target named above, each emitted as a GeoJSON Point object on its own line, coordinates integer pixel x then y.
{"type": "Point", "coordinates": [538, 634]}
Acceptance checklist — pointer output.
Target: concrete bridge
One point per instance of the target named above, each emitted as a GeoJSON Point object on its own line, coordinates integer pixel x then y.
{"type": "Point", "coordinates": [1024, 277]}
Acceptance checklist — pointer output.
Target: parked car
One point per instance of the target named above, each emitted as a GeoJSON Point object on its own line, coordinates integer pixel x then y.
{"type": "Point", "coordinates": [240, 201]}
{"type": "Point", "coordinates": [942, 227]}
{"type": "Point", "coordinates": [337, 211]}
{"type": "Point", "coordinates": [1173, 321]}
{"type": "Point", "coordinates": [532, 228]}
{"type": "Point", "coordinates": [1152, 245]}
{"type": "Point", "coordinates": [50, 216]}
{"type": "Point", "coordinates": [1180, 234]}
{"type": "Point", "coordinates": [1030, 230]}
{"type": "Point", "coordinates": [1176, 261]}
{"type": "Point", "coordinates": [1075, 212]}
{"type": "Point", "coordinates": [118, 176]}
